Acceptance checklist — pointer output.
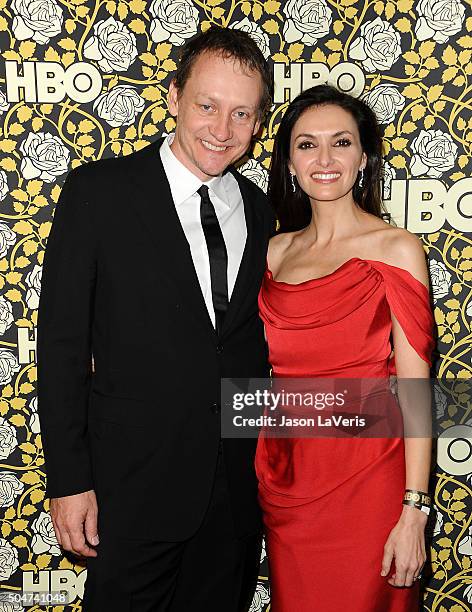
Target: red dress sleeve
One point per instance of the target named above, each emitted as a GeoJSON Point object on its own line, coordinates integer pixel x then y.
{"type": "Point", "coordinates": [409, 301]}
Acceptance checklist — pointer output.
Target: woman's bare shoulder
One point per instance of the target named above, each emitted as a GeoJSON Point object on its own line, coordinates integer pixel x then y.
{"type": "Point", "coordinates": [282, 241]}
{"type": "Point", "coordinates": [401, 248]}
{"type": "Point", "coordinates": [278, 245]}
{"type": "Point", "coordinates": [401, 243]}
{"type": "Point", "coordinates": [386, 239]}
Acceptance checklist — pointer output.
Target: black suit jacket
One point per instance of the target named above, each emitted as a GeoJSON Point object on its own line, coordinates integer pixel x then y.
{"type": "Point", "coordinates": [118, 281]}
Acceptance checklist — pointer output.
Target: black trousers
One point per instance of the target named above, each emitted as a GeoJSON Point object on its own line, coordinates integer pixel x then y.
{"type": "Point", "coordinates": [212, 571]}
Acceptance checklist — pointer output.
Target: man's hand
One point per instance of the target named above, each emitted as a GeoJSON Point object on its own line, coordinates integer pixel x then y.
{"type": "Point", "coordinates": [75, 522]}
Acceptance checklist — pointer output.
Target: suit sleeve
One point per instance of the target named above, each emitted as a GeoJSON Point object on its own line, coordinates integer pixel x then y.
{"type": "Point", "coordinates": [269, 216]}
{"type": "Point", "coordinates": [272, 222]}
{"type": "Point", "coordinates": [64, 332]}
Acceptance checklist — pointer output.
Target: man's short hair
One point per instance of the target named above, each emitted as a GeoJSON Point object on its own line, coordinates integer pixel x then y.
{"type": "Point", "coordinates": [227, 43]}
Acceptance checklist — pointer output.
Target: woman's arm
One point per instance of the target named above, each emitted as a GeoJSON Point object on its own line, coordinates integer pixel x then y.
{"type": "Point", "coordinates": [406, 541]}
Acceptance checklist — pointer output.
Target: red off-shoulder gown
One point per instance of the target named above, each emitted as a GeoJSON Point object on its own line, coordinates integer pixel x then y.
{"type": "Point", "coordinates": [330, 504]}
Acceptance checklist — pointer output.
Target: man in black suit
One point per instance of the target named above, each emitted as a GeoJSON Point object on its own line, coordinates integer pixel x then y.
{"type": "Point", "coordinates": [153, 266]}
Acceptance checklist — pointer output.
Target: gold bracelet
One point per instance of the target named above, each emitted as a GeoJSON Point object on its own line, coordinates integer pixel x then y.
{"type": "Point", "coordinates": [419, 497]}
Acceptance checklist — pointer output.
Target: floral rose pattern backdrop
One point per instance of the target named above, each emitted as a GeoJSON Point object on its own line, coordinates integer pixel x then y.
{"type": "Point", "coordinates": [81, 80]}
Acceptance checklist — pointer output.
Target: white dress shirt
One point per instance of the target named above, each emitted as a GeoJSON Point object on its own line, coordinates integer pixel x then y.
{"type": "Point", "coordinates": [229, 208]}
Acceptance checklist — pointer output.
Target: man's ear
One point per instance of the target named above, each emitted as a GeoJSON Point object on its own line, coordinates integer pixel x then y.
{"type": "Point", "coordinates": [173, 99]}
{"type": "Point", "coordinates": [257, 126]}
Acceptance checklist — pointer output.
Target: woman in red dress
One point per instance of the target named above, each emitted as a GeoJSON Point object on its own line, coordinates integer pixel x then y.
{"type": "Point", "coordinates": [342, 289]}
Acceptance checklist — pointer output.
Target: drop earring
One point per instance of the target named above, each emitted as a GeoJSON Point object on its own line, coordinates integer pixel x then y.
{"type": "Point", "coordinates": [361, 180]}
{"type": "Point", "coordinates": [294, 187]}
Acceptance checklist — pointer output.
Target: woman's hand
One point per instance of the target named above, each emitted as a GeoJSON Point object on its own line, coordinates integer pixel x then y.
{"type": "Point", "coordinates": [406, 544]}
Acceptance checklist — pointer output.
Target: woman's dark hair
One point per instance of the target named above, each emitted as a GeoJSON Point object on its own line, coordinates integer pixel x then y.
{"type": "Point", "coordinates": [293, 210]}
{"type": "Point", "coordinates": [227, 43]}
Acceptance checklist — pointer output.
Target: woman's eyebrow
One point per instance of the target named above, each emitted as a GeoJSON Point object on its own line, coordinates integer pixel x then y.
{"type": "Point", "coordinates": [307, 135]}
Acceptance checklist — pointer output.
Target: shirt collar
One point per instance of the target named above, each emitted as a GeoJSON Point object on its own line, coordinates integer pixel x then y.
{"type": "Point", "coordinates": [183, 183]}
{"type": "Point", "coordinates": [217, 185]}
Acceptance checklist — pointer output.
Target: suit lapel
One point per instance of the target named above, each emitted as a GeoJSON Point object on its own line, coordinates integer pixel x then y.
{"type": "Point", "coordinates": [155, 207]}
{"type": "Point", "coordinates": [245, 274]}
{"type": "Point", "coordinates": [152, 200]}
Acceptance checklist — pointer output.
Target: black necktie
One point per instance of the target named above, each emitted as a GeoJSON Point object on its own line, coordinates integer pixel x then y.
{"type": "Point", "coordinates": [217, 254]}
